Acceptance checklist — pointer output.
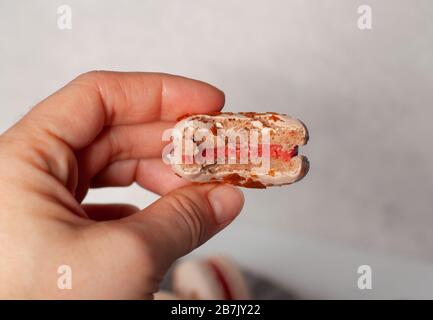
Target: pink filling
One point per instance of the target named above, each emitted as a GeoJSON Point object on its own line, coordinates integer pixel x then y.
{"type": "Point", "coordinates": [276, 152]}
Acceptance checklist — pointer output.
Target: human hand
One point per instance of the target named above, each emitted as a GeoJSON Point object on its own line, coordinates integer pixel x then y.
{"type": "Point", "coordinates": [102, 129]}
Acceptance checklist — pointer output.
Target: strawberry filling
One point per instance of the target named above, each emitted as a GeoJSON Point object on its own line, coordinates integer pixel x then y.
{"type": "Point", "coordinates": [275, 152]}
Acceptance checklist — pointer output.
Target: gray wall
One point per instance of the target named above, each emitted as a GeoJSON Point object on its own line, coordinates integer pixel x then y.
{"type": "Point", "coordinates": [366, 97]}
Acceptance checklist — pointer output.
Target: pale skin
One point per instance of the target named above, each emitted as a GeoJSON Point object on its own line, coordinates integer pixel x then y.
{"type": "Point", "coordinates": [102, 129]}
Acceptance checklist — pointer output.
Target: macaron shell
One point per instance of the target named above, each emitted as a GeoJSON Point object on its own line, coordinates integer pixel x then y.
{"type": "Point", "coordinates": [233, 277]}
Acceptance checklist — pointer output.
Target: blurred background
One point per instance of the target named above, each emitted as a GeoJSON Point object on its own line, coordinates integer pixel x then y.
{"type": "Point", "coordinates": [366, 96]}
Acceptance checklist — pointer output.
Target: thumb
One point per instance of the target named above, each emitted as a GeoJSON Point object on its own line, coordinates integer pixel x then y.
{"type": "Point", "coordinates": [185, 218]}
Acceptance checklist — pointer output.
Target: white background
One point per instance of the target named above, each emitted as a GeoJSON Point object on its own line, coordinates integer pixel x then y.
{"type": "Point", "coordinates": [366, 97]}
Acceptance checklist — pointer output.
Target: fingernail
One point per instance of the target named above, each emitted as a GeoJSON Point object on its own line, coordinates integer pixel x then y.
{"type": "Point", "coordinates": [226, 202]}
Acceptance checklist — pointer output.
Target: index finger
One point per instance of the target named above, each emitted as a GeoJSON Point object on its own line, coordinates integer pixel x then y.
{"type": "Point", "coordinates": [77, 113]}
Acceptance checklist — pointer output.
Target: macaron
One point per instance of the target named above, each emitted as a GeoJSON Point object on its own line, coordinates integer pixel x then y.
{"type": "Point", "coordinates": [213, 278]}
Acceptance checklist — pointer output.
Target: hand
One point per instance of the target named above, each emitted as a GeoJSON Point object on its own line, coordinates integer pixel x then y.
{"type": "Point", "coordinates": [102, 129]}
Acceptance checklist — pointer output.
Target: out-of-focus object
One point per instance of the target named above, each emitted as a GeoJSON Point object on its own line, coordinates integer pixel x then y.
{"type": "Point", "coordinates": [165, 295]}
{"type": "Point", "coordinates": [214, 278]}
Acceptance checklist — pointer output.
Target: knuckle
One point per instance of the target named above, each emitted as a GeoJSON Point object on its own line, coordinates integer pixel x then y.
{"type": "Point", "coordinates": [91, 79]}
{"type": "Point", "coordinates": [120, 148]}
{"type": "Point", "coordinates": [89, 75]}
{"type": "Point", "coordinates": [113, 143]}
{"type": "Point", "coordinates": [191, 215]}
